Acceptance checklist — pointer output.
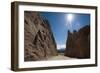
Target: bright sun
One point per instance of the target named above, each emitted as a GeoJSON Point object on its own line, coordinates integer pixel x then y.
{"type": "Point", "coordinates": [70, 17]}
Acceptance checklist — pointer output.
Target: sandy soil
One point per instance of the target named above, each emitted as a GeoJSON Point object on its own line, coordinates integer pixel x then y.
{"type": "Point", "coordinates": [59, 57]}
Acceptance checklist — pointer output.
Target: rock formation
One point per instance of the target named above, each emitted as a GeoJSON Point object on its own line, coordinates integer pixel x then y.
{"type": "Point", "coordinates": [78, 43]}
{"type": "Point", "coordinates": [39, 42]}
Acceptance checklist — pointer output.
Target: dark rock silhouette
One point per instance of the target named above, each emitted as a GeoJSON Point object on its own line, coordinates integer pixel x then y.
{"type": "Point", "coordinates": [78, 43]}
{"type": "Point", "coordinates": [39, 40]}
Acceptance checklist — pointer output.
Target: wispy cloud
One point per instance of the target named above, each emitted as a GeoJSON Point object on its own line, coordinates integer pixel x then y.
{"type": "Point", "coordinates": [59, 46]}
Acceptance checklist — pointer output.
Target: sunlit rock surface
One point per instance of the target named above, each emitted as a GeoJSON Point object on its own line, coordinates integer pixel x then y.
{"type": "Point", "coordinates": [39, 42]}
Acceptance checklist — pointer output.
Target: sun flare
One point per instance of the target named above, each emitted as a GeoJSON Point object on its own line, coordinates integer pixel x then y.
{"type": "Point", "coordinates": [70, 17]}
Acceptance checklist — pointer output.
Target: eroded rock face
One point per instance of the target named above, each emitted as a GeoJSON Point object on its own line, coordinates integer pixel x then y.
{"type": "Point", "coordinates": [38, 38]}
{"type": "Point", "coordinates": [78, 43]}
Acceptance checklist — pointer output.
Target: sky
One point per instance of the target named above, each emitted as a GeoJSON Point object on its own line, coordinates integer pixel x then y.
{"type": "Point", "coordinates": [62, 22]}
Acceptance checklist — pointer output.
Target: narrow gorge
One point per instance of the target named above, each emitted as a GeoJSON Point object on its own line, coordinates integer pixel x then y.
{"type": "Point", "coordinates": [40, 44]}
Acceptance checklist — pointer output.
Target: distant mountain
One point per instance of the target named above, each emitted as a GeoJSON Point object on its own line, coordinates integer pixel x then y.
{"type": "Point", "coordinates": [61, 50]}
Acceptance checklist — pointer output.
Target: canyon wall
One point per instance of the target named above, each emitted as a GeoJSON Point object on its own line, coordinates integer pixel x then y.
{"type": "Point", "coordinates": [78, 43]}
{"type": "Point", "coordinates": [39, 42]}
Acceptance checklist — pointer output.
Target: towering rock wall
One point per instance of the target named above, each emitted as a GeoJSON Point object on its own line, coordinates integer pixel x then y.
{"type": "Point", "coordinates": [78, 43]}
{"type": "Point", "coordinates": [39, 42]}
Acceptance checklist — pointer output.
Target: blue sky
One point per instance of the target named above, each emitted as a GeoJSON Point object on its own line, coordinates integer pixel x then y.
{"type": "Point", "coordinates": [60, 24]}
